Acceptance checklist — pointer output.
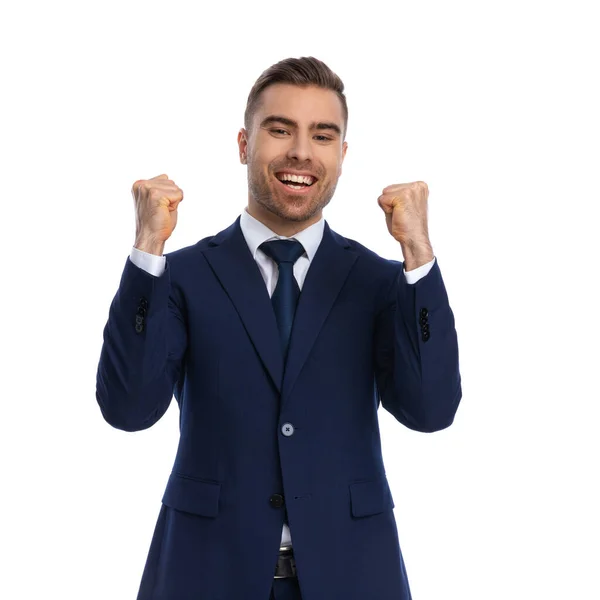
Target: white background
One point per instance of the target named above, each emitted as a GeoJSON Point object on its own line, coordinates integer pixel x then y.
{"type": "Point", "coordinates": [493, 105]}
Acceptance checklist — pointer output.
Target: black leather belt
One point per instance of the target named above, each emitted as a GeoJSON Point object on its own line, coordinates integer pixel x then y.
{"type": "Point", "coordinates": [286, 564]}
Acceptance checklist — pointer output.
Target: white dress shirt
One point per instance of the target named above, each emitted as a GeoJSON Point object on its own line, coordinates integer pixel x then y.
{"type": "Point", "coordinates": [255, 234]}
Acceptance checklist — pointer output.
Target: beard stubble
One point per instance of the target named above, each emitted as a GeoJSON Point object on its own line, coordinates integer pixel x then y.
{"type": "Point", "coordinates": [287, 206]}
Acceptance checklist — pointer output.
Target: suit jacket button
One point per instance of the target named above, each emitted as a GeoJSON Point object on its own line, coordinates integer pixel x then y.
{"type": "Point", "coordinates": [144, 302]}
{"type": "Point", "coordinates": [287, 429]}
{"type": "Point", "coordinates": [424, 312]}
{"type": "Point", "coordinates": [139, 327]}
{"type": "Point", "coordinates": [139, 319]}
{"type": "Point", "coordinates": [426, 335]}
{"type": "Point", "coordinates": [276, 500]}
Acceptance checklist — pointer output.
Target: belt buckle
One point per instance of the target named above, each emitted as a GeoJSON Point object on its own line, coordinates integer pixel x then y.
{"type": "Point", "coordinates": [286, 564]}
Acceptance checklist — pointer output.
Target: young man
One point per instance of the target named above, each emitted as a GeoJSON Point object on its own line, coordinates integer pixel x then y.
{"type": "Point", "coordinates": [279, 338]}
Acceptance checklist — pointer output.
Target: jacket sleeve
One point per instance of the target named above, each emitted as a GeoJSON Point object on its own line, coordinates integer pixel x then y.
{"type": "Point", "coordinates": [416, 352]}
{"type": "Point", "coordinates": [142, 354]}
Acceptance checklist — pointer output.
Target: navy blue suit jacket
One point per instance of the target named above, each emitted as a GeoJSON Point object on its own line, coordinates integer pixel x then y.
{"type": "Point", "coordinates": [205, 332]}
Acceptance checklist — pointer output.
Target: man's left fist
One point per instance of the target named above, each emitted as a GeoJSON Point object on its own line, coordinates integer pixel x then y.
{"type": "Point", "coordinates": [405, 208]}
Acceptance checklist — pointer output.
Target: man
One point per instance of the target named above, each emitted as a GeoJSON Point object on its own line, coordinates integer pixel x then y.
{"type": "Point", "coordinates": [279, 338]}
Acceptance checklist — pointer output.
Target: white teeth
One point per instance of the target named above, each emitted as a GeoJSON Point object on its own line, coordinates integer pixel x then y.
{"type": "Point", "coordinates": [297, 178]}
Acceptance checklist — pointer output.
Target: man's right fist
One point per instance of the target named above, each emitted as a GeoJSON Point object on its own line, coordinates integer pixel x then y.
{"type": "Point", "coordinates": [155, 203]}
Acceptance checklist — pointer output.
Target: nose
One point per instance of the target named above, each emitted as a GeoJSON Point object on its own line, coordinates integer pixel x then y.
{"type": "Point", "coordinates": [300, 149]}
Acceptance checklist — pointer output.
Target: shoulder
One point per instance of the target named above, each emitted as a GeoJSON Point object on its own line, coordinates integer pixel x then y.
{"type": "Point", "coordinates": [190, 256]}
{"type": "Point", "coordinates": [375, 272]}
{"type": "Point", "coordinates": [370, 259]}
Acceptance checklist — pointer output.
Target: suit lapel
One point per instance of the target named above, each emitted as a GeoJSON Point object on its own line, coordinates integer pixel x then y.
{"type": "Point", "coordinates": [230, 259]}
{"type": "Point", "coordinates": [326, 275]}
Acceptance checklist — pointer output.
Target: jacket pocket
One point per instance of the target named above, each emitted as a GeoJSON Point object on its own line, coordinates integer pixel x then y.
{"type": "Point", "coordinates": [192, 495]}
{"type": "Point", "coordinates": [370, 497]}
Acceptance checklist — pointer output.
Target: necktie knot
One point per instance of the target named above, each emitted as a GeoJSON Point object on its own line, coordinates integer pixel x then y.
{"type": "Point", "coordinates": [283, 251]}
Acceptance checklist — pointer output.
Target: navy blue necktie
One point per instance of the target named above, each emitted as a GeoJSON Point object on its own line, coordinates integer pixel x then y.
{"type": "Point", "coordinates": [287, 291]}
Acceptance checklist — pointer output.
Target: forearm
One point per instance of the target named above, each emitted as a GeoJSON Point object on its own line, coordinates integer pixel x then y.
{"type": "Point", "coordinates": [417, 354]}
{"type": "Point", "coordinates": [416, 254]}
{"type": "Point", "coordinates": [134, 384]}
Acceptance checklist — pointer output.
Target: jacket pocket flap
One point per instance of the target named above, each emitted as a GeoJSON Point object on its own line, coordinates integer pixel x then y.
{"type": "Point", "coordinates": [370, 497]}
{"type": "Point", "coordinates": [192, 495]}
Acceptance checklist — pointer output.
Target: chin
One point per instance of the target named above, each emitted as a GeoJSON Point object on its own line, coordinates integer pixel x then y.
{"type": "Point", "coordinates": [291, 213]}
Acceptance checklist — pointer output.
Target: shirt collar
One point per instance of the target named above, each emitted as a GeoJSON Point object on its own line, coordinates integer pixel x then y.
{"type": "Point", "coordinates": [257, 232]}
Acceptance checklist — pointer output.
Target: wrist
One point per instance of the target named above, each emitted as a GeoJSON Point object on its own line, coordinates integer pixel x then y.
{"type": "Point", "coordinates": [149, 245]}
{"type": "Point", "coordinates": [416, 255]}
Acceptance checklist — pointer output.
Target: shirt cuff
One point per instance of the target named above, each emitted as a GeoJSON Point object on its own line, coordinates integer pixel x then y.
{"type": "Point", "coordinates": [414, 275]}
{"type": "Point", "coordinates": [152, 263]}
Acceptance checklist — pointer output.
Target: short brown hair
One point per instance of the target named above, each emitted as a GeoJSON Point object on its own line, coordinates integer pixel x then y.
{"type": "Point", "coordinates": [303, 72]}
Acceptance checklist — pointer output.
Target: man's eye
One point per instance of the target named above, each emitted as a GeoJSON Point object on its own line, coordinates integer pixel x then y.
{"type": "Point", "coordinates": [324, 137]}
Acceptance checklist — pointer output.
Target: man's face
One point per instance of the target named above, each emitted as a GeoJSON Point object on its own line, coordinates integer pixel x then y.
{"type": "Point", "coordinates": [298, 144]}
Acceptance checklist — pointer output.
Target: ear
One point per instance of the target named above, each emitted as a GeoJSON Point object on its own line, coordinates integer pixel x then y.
{"type": "Point", "coordinates": [344, 148]}
{"type": "Point", "coordinates": [242, 140]}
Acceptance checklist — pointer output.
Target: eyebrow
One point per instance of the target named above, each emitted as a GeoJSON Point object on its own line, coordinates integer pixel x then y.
{"type": "Point", "coordinates": [290, 123]}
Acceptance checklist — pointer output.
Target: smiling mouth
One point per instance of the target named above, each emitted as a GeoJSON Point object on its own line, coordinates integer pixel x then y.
{"type": "Point", "coordinates": [295, 178]}
{"type": "Point", "coordinates": [295, 188]}
{"type": "Point", "coordinates": [295, 185]}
